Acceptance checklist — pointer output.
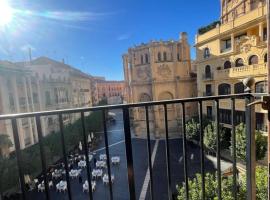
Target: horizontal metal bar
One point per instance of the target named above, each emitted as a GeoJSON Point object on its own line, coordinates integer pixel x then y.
{"type": "Point", "coordinates": [143, 104]}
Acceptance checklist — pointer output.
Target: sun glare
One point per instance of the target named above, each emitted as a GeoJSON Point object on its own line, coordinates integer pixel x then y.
{"type": "Point", "coordinates": [6, 13]}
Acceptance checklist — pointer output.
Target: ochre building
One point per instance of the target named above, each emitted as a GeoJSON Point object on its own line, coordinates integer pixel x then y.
{"type": "Point", "coordinates": [229, 51]}
{"type": "Point", "coordinates": [159, 71]}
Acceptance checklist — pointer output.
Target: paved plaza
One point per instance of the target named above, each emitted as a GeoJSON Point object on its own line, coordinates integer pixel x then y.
{"type": "Point", "coordinates": [140, 159]}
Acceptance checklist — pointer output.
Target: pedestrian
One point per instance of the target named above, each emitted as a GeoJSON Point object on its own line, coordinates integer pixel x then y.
{"type": "Point", "coordinates": [80, 179]}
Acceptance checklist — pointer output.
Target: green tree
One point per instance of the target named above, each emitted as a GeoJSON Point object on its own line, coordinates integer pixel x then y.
{"type": "Point", "coordinates": [260, 141]}
{"type": "Point", "coordinates": [210, 136]}
{"type": "Point", "coordinates": [192, 129]}
{"type": "Point", "coordinates": [5, 144]}
{"type": "Point", "coordinates": [211, 184]}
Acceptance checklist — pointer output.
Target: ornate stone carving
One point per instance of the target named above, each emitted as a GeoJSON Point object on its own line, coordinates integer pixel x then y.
{"type": "Point", "coordinates": [143, 73]}
{"type": "Point", "coordinates": [164, 71]}
{"type": "Point", "coordinates": [245, 43]}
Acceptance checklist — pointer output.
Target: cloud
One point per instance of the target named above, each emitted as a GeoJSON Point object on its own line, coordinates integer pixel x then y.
{"type": "Point", "coordinates": [123, 37]}
{"type": "Point", "coordinates": [70, 16]}
{"type": "Point", "coordinates": [26, 47]}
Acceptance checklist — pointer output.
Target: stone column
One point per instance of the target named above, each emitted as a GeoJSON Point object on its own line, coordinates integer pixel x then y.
{"type": "Point", "coordinates": [28, 108]}
{"type": "Point", "coordinates": [261, 31]}
{"type": "Point", "coordinates": [232, 43]}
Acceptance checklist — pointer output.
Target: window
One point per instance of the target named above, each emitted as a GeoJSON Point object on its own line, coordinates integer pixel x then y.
{"type": "Point", "coordinates": [50, 121]}
{"type": "Point", "coordinates": [164, 56]}
{"type": "Point", "coordinates": [261, 87]}
{"type": "Point", "coordinates": [206, 53]}
{"type": "Point", "coordinates": [253, 60]}
{"type": "Point", "coordinates": [228, 44]}
{"type": "Point", "coordinates": [47, 98]}
{"type": "Point", "coordinates": [178, 57]}
{"type": "Point", "coordinates": [159, 56]}
{"type": "Point", "coordinates": [11, 101]}
{"type": "Point", "coordinates": [265, 58]}
{"type": "Point", "coordinates": [209, 112]}
{"type": "Point", "coordinates": [207, 71]}
{"type": "Point", "coordinates": [208, 90]}
{"type": "Point", "coordinates": [239, 62]}
{"type": "Point", "coordinates": [239, 88]}
{"type": "Point", "coordinates": [141, 59]}
{"type": "Point", "coordinates": [146, 58]}
{"type": "Point", "coordinates": [239, 117]}
{"type": "Point", "coordinates": [35, 98]}
{"type": "Point", "coordinates": [227, 64]}
{"type": "Point", "coordinates": [225, 116]}
{"type": "Point", "coordinates": [224, 89]}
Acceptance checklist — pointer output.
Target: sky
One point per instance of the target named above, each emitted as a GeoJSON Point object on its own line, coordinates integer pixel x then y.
{"type": "Point", "coordinates": [92, 35]}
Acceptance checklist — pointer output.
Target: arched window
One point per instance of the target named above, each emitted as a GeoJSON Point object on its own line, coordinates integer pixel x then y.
{"type": "Point", "coordinates": [141, 59]}
{"type": "Point", "coordinates": [146, 58]}
{"type": "Point", "coordinates": [261, 87]}
{"type": "Point", "coordinates": [159, 56]}
{"type": "Point", "coordinates": [227, 64]}
{"type": "Point", "coordinates": [206, 53]}
{"type": "Point", "coordinates": [164, 56]}
{"type": "Point", "coordinates": [224, 89]}
{"type": "Point", "coordinates": [239, 88]}
{"type": "Point", "coordinates": [253, 60]}
{"type": "Point", "coordinates": [207, 71]}
{"type": "Point", "coordinates": [144, 98]}
{"type": "Point", "coordinates": [239, 62]}
{"type": "Point", "coordinates": [265, 58]}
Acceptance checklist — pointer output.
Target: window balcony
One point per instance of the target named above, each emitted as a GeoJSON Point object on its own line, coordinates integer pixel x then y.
{"type": "Point", "coordinates": [58, 159]}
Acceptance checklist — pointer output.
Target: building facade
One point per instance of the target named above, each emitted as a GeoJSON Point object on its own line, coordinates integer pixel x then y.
{"type": "Point", "coordinates": [40, 85]}
{"type": "Point", "coordinates": [159, 71]}
{"type": "Point", "coordinates": [113, 91]}
{"type": "Point", "coordinates": [231, 51]}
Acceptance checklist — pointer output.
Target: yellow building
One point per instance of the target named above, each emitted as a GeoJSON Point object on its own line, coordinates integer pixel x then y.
{"type": "Point", "coordinates": [159, 71]}
{"type": "Point", "coordinates": [231, 50]}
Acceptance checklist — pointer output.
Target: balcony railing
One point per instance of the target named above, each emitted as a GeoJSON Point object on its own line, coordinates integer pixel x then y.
{"type": "Point", "coordinates": [244, 71]}
{"type": "Point", "coordinates": [250, 162]}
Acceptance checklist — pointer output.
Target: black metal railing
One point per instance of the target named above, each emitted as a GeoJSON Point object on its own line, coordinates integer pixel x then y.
{"type": "Point", "coordinates": [128, 143]}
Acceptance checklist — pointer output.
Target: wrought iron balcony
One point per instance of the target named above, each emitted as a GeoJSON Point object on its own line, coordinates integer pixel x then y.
{"type": "Point", "coordinates": [129, 170]}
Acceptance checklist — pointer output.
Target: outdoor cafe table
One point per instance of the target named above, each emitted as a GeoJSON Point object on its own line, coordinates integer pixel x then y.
{"type": "Point", "coordinates": [115, 160]}
{"type": "Point", "coordinates": [100, 164]}
{"type": "Point", "coordinates": [97, 173]}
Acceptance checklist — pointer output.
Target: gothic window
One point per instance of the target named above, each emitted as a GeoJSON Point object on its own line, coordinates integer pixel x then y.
{"type": "Point", "coordinates": [265, 58]}
{"type": "Point", "coordinates": [159, 56]}
{"type": "Point", "coordinates": [239, 62]}
{"type": "Point", "coordinates": [144, 98]}
{"type": "Point", "coordinates": [224, 89]}
{"type": "Point", "coordinates": [146, 58]}
{"type": "Point", "coordinates": [141, 59]}
{"type": "Point", "coordinates": [253, 60]}
{"type": "Point", "coordinates": [227, 64]}
{"type": "Point", "coordinates": [164, 56]}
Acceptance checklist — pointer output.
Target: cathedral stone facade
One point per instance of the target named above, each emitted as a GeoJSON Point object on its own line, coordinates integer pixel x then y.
{"type": "Point", "coordinates": [159, 71]}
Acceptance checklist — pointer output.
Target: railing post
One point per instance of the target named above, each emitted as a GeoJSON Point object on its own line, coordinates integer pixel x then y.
{"type": "Point", "coordinates": [250, 149]}
{"type": "Point", "coordinates": [128, 145]}
{"type": "Point", "coordinates": [18, 155]}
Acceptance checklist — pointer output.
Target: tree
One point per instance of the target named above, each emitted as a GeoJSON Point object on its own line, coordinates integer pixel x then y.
{"type": "Point", "coordinates": [211, 184]}
{"type": "Point", "coordinates": [210, 136]}
{"type": "Point", "coordinates": [192, 128]}
{"type": "Point", "coordinates": [260, 141]}
{"type": "Point", "coordinates": [5, 143]}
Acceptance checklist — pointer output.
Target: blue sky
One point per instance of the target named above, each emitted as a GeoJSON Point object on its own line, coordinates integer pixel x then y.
{"type": "Point", "coordinates": [92, 35]}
